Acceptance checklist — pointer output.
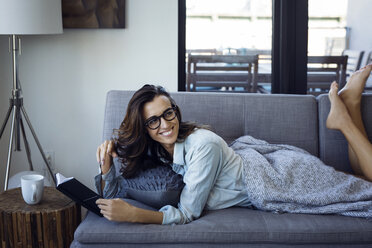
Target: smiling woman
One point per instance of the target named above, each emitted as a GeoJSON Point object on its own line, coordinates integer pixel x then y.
{"type": "Point", "coordinates": [247, 173]}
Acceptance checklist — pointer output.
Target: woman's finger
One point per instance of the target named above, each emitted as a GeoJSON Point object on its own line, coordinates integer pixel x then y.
{"type": "Point", "coordinates": [97, 154]}
{"type": "Point", "coordinates": [103, 207]}
{"type": "Point", "coordinates": [102, 153]}
{"type": "Point", "coordinates": [110, 147]}
{"type": "Point", "coordinates": [106, 215]}
{"type": "Point", "coordinates": [102, 201]}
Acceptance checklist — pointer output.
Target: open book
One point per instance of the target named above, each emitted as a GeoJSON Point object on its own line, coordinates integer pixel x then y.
{"type": "Point", "coordinates": [78, 192]}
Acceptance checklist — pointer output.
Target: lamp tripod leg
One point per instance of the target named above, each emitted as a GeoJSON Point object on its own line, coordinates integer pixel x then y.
{"type": "Point", "coordinates": [17, 132]}
{"type": "Point", "coordinates": [6, 120]}
{"type": "Point", "coordinates": [38, 143]}
{"type": "Point", "coordinates": [27, 147]}
{"type": "Point", "coordinates": [10, 149]}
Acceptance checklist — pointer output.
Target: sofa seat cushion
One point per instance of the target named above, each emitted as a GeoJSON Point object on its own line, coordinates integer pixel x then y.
{"type": "Point", "coordinates": [233, 225]}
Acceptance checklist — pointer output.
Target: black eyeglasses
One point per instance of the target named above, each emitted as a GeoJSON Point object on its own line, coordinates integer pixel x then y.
{"type": "Point", "coordinates": [168, 115]}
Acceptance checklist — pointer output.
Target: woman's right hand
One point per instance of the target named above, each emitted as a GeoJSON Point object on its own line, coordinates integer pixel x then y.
{"type": "Point", "coordinates": [105, 153]}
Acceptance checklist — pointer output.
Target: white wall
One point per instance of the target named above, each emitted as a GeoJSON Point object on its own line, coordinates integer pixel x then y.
{"type": "Point", "coordinates": [359, 19]}
{"type": "Point", "coordinates": [65, 79]}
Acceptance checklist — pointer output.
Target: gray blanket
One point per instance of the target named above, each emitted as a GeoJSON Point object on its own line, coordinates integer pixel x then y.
{"type": "Point", "coordinates": [285, 178]}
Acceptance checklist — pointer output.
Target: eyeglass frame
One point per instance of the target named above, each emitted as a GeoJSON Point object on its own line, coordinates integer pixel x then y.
{"type": "Point", "coordinates": [158, 118]}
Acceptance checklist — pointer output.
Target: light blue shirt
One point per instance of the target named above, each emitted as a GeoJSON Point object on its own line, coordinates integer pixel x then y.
{"type": "Point", "coordinates": [212, 173]}
{"type": "Point", "coordinates": [213, 176]}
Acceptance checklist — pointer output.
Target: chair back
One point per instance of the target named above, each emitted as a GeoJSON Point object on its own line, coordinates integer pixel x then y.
{"type": "Point", "coordinates": [207, 51]}
{"type": "Point", "coordinates": [323, 70]}
{"type": "Point", "coordinates": [368, 86]}
{"type": "Point", "coordinates": [369, 58]}
{"type": "Point", "coordinates": [222, 71]}
{"type": "Point", "coordinates": [354, 60]}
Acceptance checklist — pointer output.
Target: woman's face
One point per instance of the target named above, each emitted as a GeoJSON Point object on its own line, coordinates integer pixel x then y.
{"type": "Point", "coordinates": [167, 132]}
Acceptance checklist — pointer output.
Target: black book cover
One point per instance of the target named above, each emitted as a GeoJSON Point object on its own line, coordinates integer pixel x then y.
{"type": "Point", "coordinates": [79, 193]}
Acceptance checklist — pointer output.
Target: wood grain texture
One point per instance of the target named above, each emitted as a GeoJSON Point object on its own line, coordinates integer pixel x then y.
{"type": "Point", "coordinates": [49, 224]}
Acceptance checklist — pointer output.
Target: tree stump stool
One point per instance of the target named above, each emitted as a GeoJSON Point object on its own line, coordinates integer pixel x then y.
{"type": "Point", "coordinates": [51, 223]}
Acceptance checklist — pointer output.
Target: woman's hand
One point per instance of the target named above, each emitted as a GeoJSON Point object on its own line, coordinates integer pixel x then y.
{"type": "Point", "coordinates": [116, 209]}
{"type": "Point", "coordinates": [105, 153]}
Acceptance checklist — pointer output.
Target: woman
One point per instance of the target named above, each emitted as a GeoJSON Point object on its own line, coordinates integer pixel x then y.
{"type": "Point", "coordinates": [212, 171]}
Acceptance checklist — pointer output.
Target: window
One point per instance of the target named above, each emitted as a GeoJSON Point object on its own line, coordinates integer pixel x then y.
{"type": "Point", "coordinates": [230, 27]}
{"type": "Point", "coordinates": [300, 28]}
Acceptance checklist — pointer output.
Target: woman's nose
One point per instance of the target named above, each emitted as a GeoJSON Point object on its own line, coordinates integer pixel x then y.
{"type": "Point", "coordinates": [164, 123]}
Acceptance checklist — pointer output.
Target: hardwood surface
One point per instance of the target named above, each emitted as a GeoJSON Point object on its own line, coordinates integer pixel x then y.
{"type": "Point", "coordinates": [51, 223]}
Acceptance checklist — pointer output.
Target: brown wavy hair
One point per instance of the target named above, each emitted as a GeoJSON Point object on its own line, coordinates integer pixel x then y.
{"type": "Point", "coordinates": [135, 148]}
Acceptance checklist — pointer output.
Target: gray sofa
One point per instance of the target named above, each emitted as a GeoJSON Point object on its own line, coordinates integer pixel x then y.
{"type": "Point", "coordinates": [289, 119]}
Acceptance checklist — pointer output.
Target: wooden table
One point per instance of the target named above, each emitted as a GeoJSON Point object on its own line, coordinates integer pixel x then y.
{"type": "Point", "coordinates": [51, 223]}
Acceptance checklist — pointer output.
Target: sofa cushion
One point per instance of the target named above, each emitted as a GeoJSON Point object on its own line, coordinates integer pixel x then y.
{"type": "Point", "coordinates": [234, 226]}
{"type": "Point", "coordinates": [283, 119]}
{"type": "Point", "coordinates": [222, 111]}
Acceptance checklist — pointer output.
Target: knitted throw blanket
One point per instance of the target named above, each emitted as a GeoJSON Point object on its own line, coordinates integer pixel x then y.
{"type": "Point", "coordinates": [285, 178]}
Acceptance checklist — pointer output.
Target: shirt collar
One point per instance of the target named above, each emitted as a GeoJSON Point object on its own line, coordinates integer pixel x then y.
{"type": "Point", "coordinates": [178, 154]}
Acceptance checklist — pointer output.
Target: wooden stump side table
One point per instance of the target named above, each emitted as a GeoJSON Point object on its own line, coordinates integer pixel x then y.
{"type": "Point", "coordinates": [49, 224]}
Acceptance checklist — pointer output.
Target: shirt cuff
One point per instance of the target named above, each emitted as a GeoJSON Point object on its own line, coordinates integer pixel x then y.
{"type": "Point", "coordinates": [109, 175]}
{"type": "Point", "coordinates": [172, 215]}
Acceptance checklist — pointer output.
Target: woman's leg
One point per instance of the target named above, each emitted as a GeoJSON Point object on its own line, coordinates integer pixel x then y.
{"type": "Point", "coordinates": [351, 95]}
{"type": "Point", "coordinates": [345, 116]}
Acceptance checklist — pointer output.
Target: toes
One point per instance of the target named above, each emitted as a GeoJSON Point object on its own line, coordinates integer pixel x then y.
{"type": "Point", "coordinates": [334, 87]}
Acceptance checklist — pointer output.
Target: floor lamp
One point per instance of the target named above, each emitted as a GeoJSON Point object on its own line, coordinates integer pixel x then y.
{"type": "Point", "coordinates": [25, 17]}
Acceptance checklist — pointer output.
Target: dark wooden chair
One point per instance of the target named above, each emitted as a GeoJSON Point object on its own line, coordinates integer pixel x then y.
{"type": "Point", "coordinates": [207, 51]}
{"type": "Point", "coordinates": [219, 71]}
{"type": "Point", "coordinates": [323, 70]}
{"type": "Point", "coordinates": [369, 58]}
{"type": "Point", "coordinates": [354, 60]}
{"type": "Point", "coordinates": [368, 87]}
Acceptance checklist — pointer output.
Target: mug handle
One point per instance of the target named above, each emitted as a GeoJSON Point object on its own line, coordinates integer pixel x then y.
{"type": "Point", "coordinates": [34, 192]}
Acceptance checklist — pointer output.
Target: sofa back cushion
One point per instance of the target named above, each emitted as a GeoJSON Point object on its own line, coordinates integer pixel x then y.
{"type": "Point", "coordinates": [283, 119]}
{"type": "Point", "coordinates": [286, 119]}
{"type": "Point", "coordinates": [332, 143]}
{"type": "Point", "coordinates": [279, 119]}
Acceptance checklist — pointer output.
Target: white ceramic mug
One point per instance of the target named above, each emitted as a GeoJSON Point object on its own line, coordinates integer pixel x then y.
{"type": "Point", "coordinates": [32, 188]}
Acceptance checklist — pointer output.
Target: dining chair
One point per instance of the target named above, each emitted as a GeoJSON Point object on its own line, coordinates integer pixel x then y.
{"type": "Point", "coordinates": [206, 51]}
{"type": "Point", "coordinates": [368, 87]}
{"type": "Point", "coordinates": [323, 70]}
{"type": "Point", "coordinates": [354, 60]}
{"type": "Point", "coordinates": [369, 58]}
{"type": "Point", "coordinates": [219, 71]}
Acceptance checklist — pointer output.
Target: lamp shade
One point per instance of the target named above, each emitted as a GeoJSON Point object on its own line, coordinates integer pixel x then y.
{"type": "Point", "coordinates": [23, 17]}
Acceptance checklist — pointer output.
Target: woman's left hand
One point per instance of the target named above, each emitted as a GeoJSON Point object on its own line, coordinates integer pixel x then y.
{"type": "Point", "coordinates": [116, 209]}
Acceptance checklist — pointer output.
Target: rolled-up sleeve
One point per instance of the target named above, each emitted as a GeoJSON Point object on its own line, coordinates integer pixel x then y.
{"type": "Point", "coordinates": [113, 184]}
{"type": "Point", "coordinates": [203, 166]}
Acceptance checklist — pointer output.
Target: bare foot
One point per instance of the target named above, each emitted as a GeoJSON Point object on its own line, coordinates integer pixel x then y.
{"type": "Point", "coordinates": [338, 115]}
{"type": "Point", "coordinates": [351, 94]}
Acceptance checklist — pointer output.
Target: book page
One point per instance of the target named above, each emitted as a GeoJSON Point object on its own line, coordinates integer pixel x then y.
{"type": "Point", "coordinates": [61, 178]}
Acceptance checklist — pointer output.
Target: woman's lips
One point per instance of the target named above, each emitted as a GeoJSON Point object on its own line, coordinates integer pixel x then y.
{"type": "Point", "coordinates": [167, 133]}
